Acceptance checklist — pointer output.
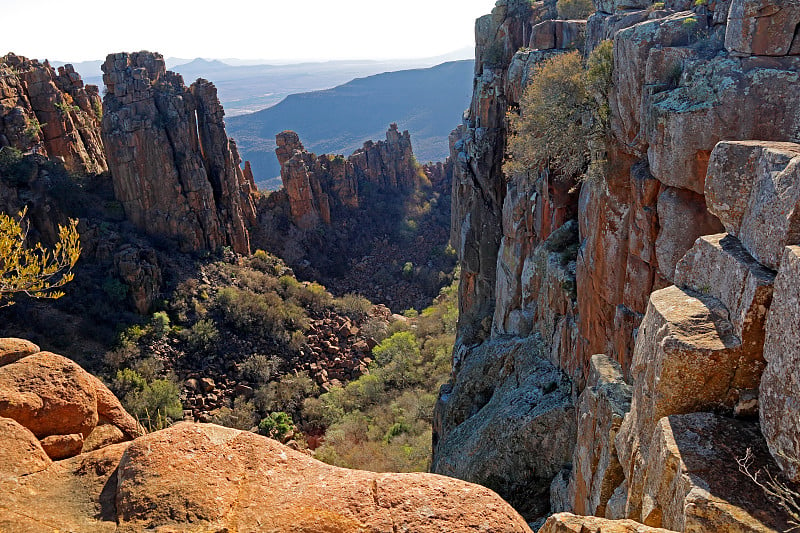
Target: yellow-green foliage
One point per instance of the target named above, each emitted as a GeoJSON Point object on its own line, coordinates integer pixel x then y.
{"type": "Point", "coordinates": [560, 110]}
{"type": "Point", "coordinates": [574, 9]}
{"type": "Point", "coordinates": [35, 271]}
{"type": "Point", "coordinates": [382, 421]}
{"type": "Point", "coordinates": [155, 402]}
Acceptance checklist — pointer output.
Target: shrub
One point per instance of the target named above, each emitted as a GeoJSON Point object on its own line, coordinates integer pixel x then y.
{"type": "Point", "coordinates": [550, 127]}
{"type": "Point", "coordinates": [241, 416]}
{"type": "Point", "coordinates": [561, 110]}
{"type": "Point", "coordinates": [574, 9]}
{"type": "Point", "coordinates": [259, 368]}
{"type": "Point", "coordinates": [276, 426]}
{"type": "Point", "coordinates": [35, 271]}
{"type": "Point", "coordinates": [156, 404]}
{"type": "Point", "coordinates": [116, 290]}
{"type": "Point", "coordinates": [266, 315]}
{"type": "Point", "coordinates": [353, 305]}
{"type": "Point", "coordinates": [202, 336]}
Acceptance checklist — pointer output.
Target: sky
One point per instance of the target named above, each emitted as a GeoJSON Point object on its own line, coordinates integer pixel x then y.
{"type": "Point", "coordinates": [295, 30]}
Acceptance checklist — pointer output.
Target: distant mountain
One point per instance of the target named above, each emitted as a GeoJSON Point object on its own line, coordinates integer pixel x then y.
{"type": "Point", "coordinates": [427, 102]}
{"type": "Point", "coordinates": [247, 86]}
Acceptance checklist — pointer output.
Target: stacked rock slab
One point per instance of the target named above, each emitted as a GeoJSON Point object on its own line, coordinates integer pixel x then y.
{"type": "Point", "coordinates": [174, 169]}
{"type": "Point", "coordinates": [316, 186]}
{"type": "Point", "coordinates": [685, 77]}
{"type": "Point", "coordinates": [50, 112]}
{"type": "Point", "coordinates": [193, 477]}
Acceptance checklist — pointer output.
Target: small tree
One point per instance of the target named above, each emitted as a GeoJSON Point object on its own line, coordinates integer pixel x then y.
{"type": "Point", "coordinates": [35, 271]}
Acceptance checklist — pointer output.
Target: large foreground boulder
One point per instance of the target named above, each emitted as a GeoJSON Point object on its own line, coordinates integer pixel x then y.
{"type": "Point", "coordinates": [198, 477]}
{"type": "Point", "coordinates": [58, 401]}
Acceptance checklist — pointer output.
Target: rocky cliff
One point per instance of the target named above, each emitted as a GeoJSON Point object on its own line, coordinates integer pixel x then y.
{"type": "Point", "coordinates": [354, 223]}
{"type": "Point", "coordinates": [317, 184]}
{"type": "Point", "coordinates": [72, 459]}
{"type": "Point", "coordinates": [174, 169]}
{"type": "Point", "coordinates": [648, 287]}
{"type": "Point", "coordinates": [51, 113]}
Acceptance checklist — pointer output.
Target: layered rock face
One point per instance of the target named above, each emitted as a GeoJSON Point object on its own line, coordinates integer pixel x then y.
{"type": "Point", "coordinates": [174, 169]}
{"type": "Point", "coordinates": [654, 288]}
{"type": "Point", "coordinates": [191, 477]}
{"type": "Point", "coordinates": [316, 185]}
{"type": "Point", "coordinates": [50, 112]}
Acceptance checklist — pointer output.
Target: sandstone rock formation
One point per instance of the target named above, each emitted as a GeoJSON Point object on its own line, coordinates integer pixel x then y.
{"type": "Point", "coordinates": [194, 477]}
{"type": "Point", "coordinates": [50, 112]}
{"type": "Point", "coordinates": [650, 288]}
{"type": "Point", "coordinates": [174, 169]}
{"type": "Point", "coordinates": [780, 383]}
{"type": "Point", "coordinates": [57, 401]}
{"type": "Point", "coordinates": [317, 185]}
{"type": "Point", "coordinates": [570, 523]}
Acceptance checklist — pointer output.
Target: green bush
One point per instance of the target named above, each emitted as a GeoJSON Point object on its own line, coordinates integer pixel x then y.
{"type": "Point", "coordinates": [241, 416]}
{"type": "Point", "coordinates": [276, 426]}
{"type": "Point", "coordinates": [574, 9]}
{"type": "Point", "coordinates": [562, 109]}
{"type": "Point", "coordinates": [353, 305]}
{"type": "Point", "coordinates": [202, 336]}
{"type": "Point", "coordinates": [266, 314]}
{"type": "Point", "coordinates": [259, 369]}
{"type": "Point", "coordinates": [156, 404]}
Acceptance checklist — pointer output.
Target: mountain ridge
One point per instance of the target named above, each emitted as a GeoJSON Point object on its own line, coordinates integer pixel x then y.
{"type": "Point", "coordinates": [427, 102]}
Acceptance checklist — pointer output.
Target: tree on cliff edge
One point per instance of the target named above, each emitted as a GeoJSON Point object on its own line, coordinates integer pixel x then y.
{"type": "Point", "coordinates": [35, 271]}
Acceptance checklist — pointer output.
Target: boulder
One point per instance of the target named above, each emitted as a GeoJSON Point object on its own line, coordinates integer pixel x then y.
{"type": "Point", "coordinates": [752, 188]}
{"type": "Point", "coordinates": [687, 358]}
{"type": "Point", "coordinates": [75, 494]}
{"type": "Point", "coordinates": [759, 27]}
{"type": "Point", "coordinates": [20, 451]}
{"type": "Point", "coordinates": [60, 403]}
{"type": "Point", "coordinates": [719, 266]}
{"type": "Point", "coordinates": [780, 384]}
{"type": "Point", "coordinates": [12, 349]}
{"type": "Point", "coordinates": [692, 478]}
{"type": "Point", "coordinates": [715, 99]}
{"type": "Point", "coordinates": [49, 395]}
{"type": "Point", "coordinates": [570, 523]}
{"type": "Point", "coordinates": [218, 477]}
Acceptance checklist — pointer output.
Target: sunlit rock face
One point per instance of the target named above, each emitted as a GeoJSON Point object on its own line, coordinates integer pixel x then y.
{"type": "Point", "coordinates": [50, 112]}
{"type": "Point", "coordinates": [174, 169]}
{"type": "Point", "coordinates": [663, 269]}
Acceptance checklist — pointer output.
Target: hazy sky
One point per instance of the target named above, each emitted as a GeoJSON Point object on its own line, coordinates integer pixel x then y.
{"type": "Point", "coordinates": [81, 30]}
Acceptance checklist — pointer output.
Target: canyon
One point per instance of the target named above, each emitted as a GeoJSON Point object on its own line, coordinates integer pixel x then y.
{"type": "Point", "coordinates": [627, 334]}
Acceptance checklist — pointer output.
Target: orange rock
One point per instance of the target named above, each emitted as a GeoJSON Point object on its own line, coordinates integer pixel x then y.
{"type": "Point", "coordinates": [570, 523]}
{"type": "Point", "coordinates": [48, 394]}
{"type": "Point", "coordinates": [12, 349]}
{"type": "Point", "coordinates": [217, 477]}
{"type": "Point", "coordinates": [20, 451]}
{"type": "Point", "coordinates": [62, 446]}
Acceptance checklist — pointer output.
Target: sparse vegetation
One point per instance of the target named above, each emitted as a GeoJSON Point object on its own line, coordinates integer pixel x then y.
{"type": "Point", "coordinates": [574, 9]}
{"type": "Point", "coordinates": [382, 421]}
{"type": "Point", "coordinates": [561, 111]}
{"type": "Point", "coordinates": [35, 271]}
